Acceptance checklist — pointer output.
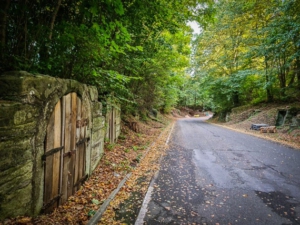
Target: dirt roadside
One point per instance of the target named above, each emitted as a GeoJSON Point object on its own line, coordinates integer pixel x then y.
{"type": "Point", "coordinates": [242, 119]}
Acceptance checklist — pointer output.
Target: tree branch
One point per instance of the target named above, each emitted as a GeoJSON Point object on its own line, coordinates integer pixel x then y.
{"type": "Point", "coordinates": [53, 18]}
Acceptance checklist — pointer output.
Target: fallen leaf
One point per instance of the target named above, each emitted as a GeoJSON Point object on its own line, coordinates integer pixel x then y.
{"type": "Point", "coordinates": [95, 201]}
{"type": "Point", "coordinates": [24, 220]}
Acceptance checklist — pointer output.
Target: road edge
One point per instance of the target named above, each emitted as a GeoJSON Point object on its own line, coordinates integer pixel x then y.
{"type": "Point", "coordinates": [97, 216]}
{"type": "Point", "coordinates": [143, 209]}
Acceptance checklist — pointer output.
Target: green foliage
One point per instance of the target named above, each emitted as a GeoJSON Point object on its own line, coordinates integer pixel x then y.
{"type": "Point", "coordinates": [96, 201]}
{"type": "Point", "coordinates": [91, 213]}
{"type": "Point", "coordinates": [138, 51]}
{"type": "Point", "coordinates": [139, 156]}
{"type": "Point", "coordinates": [111, 146]}
{"type": "Point", "coordinates": [248, 55]}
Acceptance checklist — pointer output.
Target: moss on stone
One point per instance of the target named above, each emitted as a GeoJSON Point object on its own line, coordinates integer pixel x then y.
{"type": "Point", "coordinates": [16, 113]}
{"type": "Point", "coordinates": [13, 152]}
{"type": "Point", "coordinates": [12, 207]}
{"type": "Point", "coordinates": [15, 191]}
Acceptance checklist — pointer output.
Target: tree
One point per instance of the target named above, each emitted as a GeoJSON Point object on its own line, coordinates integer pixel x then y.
{"type": "Point", "coordinates": [125, 47]}
{"type": "Point", "coordinates": [249, 54]}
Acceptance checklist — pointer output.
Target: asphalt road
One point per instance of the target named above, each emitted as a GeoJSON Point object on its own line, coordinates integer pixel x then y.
{"type": "Point", "coordinates": [216, 176]}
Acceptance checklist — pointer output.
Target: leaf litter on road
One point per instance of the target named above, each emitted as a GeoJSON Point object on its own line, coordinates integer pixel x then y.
{"type": "Point", "coordinates": [125, 207]}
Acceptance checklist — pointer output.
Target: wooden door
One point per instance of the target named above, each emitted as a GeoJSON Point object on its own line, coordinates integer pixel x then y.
{"type": "Point", "coordinates": [112, 125]}
{"type": "Point", "coordinates": [65, 147]}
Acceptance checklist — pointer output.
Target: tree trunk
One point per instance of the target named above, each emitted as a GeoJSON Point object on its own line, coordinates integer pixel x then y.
{"type": "Point", "coordinates": [281, 77]}
{"type": "Point", "coordinates": [4, 5]}
{"type": "Point", "coordinates": [268, 86]}
{"type": "Point", "coordinates": [235, 99]}
{"type": "Point", "coordinates": [44, 51]}
{"type": "Point", "coordinates": [297, 71]}
{"type": "Point", "coordinates": [54, 18]}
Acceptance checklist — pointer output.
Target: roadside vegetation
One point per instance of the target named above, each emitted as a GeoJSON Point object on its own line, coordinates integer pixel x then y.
{"type": "Point", "coordinates": [248, 55]}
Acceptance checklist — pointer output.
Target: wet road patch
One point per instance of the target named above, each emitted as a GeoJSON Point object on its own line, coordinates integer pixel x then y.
{"type": "Point", "coordinates": [283, 205]}
{"type": "Point", "coordinates": [176, 192]}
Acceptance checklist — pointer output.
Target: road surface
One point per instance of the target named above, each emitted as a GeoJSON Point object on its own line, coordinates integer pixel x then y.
{"type": "Point", "coordinates": [215, 176]}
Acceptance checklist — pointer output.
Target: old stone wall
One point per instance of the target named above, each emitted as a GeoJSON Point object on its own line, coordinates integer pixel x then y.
{"type": "Point", "coordinates": [288, 116]}
{"type": "Point", "coordinates": [98, 134]}
{"type": "Point", "coordinates": [26, 104]}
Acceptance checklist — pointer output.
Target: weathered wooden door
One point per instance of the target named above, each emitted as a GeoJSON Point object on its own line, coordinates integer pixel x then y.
{"type": "Point", "coordinates": [65, 146]}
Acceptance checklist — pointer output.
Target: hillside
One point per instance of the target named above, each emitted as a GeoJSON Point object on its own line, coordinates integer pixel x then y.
{"type": "Point", "coordinates": [288, 133]}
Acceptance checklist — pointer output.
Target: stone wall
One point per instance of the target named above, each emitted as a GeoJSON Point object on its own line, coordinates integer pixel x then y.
{"type": "Point", "coordinates": [288, 116]}
{"type": "Point", "coordinates": [26, 104]}
{"type": "Point", "coordinates": [98, 134]}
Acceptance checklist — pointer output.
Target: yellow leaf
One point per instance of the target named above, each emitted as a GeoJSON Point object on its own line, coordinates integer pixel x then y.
{"type": "Point", "coordinates": [24, 220]}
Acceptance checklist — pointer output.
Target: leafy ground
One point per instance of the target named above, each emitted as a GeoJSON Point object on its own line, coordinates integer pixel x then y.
{"type": "Point", "coordinates": [135, 152]}
{"type": "Point", "coordinates": [242, 118]}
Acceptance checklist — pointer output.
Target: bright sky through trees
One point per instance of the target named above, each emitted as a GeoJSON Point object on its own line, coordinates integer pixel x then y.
{"type": "Point", "coordinates": [195, 26]}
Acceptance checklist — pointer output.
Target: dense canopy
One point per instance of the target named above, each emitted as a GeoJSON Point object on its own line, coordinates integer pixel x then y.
{"type": "Point", "coordinates": [250, 54]}
{"type": "Point", "coordinates": [137, 50]}
{"type": "Point", "coordinates": [144, 53]}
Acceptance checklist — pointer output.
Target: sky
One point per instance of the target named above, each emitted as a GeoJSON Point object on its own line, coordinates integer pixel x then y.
{"type": "Point", "coordinates": [194, 25]}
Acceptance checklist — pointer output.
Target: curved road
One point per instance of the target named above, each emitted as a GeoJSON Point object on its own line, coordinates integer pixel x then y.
{"type": "Point", "coordinates": [215, 176]}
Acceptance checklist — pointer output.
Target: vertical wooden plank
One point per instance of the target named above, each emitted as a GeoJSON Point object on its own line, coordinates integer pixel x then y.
{"type": "Point", "coordinates": [80, 161]}
{"type": "Point", "coordinates": [78, 113]}
{"type": "Point", "coordinates": [114, 126]}
{"type": "Point", "coordinates": [111, 125]}
{"type": "Point", "coordinates": [56, 156]}
{"type": "Point", "coordinates": [86, 118]}
{"type": "Point", "coordinates": [84, 156]}
{"type": "Point", "coordinates": [72, 143]}
{"type": "Point", "coordinates": [67, 142]}
{"type": "Point", "coordinates": [83, 118]}
{"type": "Point", "coordinates": [61, 169]}
{"type": "Point", "coordinates": [50, 135]}
{"type": "Point", "coordinates": [81, 146]}
{"type": "Point", "coordinates": [49, 161]}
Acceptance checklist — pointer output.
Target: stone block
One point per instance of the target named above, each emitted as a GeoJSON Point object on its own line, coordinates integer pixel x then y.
{"type": "Point", "coordinates": [97, 152]}
{"type": "Point", "coordinates": [26, 87]}
{"type": "Point", "coordinates": [14, 153]}
{"type": "Point", "coordinates": [15, 191]}
{"type": "Point", "coordinates": [295, 122]}
{"type": "Point", "coordinates": [97, 136]}
{"type": "Point", "coordinates": [93, 93]}
{"type": "Point", "coordinates": [19, 132]}
{"type": "Point", "coordinates": [97, 109]}
{"type": "Point", "coordinates": [98, 123]}
{"type": "Point", "coordinates": [16, 113]}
